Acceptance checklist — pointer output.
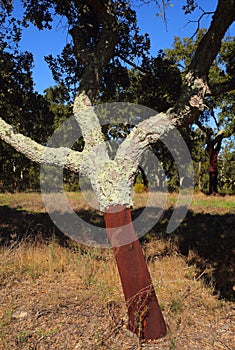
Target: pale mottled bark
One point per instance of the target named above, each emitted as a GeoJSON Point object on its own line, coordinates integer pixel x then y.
{"type": "Point", "coordinates": [144, 134]}
{"type": "Point", "coordinates": [107, 176]}
{"type": "Point", "coordinates": [88, 121]}
{"type": "Point", "coordinates": [61, 156]}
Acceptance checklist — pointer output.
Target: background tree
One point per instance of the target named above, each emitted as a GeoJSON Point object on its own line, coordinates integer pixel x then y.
{"type": "Point", "coordinates": [227, 168]}
{"type": "Point", "coordinates": [217, 120]}
{"type": "Point", "coordinates": [26, 110]}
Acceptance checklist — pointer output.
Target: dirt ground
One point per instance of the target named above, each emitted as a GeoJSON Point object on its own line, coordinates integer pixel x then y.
{"type": "Point", "coordinates": [52, 298]}
{"type": "Point", "coordinates": [56, 296]}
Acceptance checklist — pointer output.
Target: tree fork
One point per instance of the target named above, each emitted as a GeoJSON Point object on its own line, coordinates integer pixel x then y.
{"type": "Point", "coordinates": [145, 316]}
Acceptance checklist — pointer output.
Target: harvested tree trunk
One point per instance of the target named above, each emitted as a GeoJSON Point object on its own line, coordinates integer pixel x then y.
{"type": "Point", "coordinates": [145, 316]}
{"type": "Point", "coordinates": [213, 148]}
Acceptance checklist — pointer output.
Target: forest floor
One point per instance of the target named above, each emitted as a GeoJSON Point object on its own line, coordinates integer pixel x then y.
{"type": "Point", "coordinates": [58, 294]}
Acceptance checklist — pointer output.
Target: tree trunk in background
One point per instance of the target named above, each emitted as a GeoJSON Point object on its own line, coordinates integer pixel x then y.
{"type": "Point", "coordinates": [145, 316]}
{"type": "Point", "coordinates": [213, 148]}
{"type": "Point", "coordinates": [199, 175]}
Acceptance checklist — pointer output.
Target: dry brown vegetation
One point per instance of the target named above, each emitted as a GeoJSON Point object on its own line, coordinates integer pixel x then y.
{"type": "Point", "coordinates": [65, 296]}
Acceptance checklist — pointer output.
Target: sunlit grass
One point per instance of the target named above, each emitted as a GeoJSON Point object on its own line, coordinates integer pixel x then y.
{"type": "Point", "coordinates": [33, 202]}
{"type": "Point", "coordinates": [45, 277]}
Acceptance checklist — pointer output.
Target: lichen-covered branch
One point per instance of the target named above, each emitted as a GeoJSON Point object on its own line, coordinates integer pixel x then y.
{"type": "Point", "coordinates": [88, 121]}
{"type": "Point", "coordinates": [61, 156]}
{"type": "Point", "coordinates": [144, 134]}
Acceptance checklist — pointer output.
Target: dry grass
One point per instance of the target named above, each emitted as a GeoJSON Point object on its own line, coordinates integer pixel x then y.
{"type": "Point", "coordinates": [58, 298]}
{"type": "Point", "coordinates": [64, 298]}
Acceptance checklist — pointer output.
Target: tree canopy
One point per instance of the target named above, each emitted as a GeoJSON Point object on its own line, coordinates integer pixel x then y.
{"type": "Point", "coordinates": [107, 59]}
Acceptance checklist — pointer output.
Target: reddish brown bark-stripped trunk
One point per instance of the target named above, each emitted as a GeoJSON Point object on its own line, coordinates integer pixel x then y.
{"type": "Point", "coordinates": [213, 148]}
{"type": "Point", "coordinates": [145, 316]}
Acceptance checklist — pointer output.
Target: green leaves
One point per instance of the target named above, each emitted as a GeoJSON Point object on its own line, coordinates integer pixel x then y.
{"type": "Point", "coordinates": [190, 6]}
{"type": "Point", "coordinates": [27, 111]}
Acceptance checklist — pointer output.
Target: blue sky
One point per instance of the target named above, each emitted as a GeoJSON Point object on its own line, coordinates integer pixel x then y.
{"type": "Point", "coordinates": [42, 43]}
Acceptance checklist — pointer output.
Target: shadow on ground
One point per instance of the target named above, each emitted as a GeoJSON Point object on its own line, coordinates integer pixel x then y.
{"type": "Point", "coordinates": [210, 237]}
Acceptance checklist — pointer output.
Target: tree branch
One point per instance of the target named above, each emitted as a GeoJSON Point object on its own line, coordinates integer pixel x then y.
{"type": "Point", "coordinates": [145, 133]}
{"type": "Point", "coordinates": [88, 121]}
{"type": "Point", "coordinates": [221, 134]}
{"type": "Point", "coordinates": [210, 44]}
{"type": "Point", "coordinates": [198, 21]}
{"type": "Point", "coordinates": [61, 156]}
{"type": "Point", "coordinates": [219, 89]}
{"type": "Point", "coordinates": [208, 131]}
{"type": "Point", "coordinates": [124, 59]}
{"type": "Point", "coordinates": [195, 87]}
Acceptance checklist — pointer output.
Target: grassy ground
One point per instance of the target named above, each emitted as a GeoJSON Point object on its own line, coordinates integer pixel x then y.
{"type": "Point", "coordinates": [56, 294]}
